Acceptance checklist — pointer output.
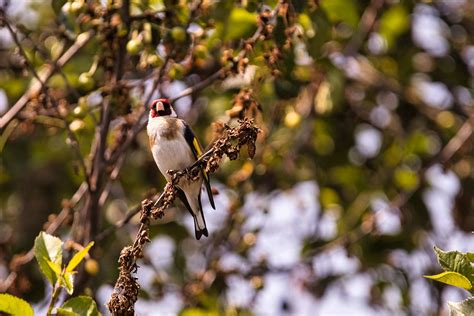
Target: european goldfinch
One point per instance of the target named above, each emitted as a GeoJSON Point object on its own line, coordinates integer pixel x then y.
{"type": "Point", "coordinates": [174, 147]}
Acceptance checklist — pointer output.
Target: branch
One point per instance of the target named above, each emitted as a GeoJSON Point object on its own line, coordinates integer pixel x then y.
{"type": "Point", "coordinates": [246, 46]}
{"type": "Point", "coordinates": [106, 232]}
{"type": "Point", "coordinates": [20, 260]}
{"type": "Point", "coordinates": [141, 123]}
{"type": "Point", "coordinates": [22, 51]}
{"type": "Point", "coordinates": [229, 144]}
{"type": "Point", "coordinates": [462, 136]}
{"type": "Point", "coordinates": [200, 85]}
{"type": "Point", "coordinates": [367, 22]}
{"type": "Point", "coordinates": [445, 155]}
{"type": "Point", "coordinates": [368, 226]}
{"type": "Point", "coordinates": [37, 86]}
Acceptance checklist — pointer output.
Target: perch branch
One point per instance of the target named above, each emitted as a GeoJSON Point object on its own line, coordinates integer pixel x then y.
{"type": "Point", "coordinates": [126, 288]}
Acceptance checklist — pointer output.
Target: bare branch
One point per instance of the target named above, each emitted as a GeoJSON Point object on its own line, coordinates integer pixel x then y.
{"type": "Point", "coordinates": [77, 150]}
{"type": "Point", "coordinates": [462, 136]}
{"type": "Point", "coordinates": [366, 23]}
{"type": "Point", "coordinates": [22, 51]}
{"type": "Point", "coordinates": [106, 232]}
{"type": "Point", "coordinates": [200, 85]}
{"type": "Point", "coordinates": [44, 76]}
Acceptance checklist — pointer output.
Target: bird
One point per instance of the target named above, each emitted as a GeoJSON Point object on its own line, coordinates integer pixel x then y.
{"type": "Point", "coordinates": [174, 146]}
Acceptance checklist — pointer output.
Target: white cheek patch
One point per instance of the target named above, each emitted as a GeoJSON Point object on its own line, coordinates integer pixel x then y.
{"type": "Point", "coordinates": [173, 113]}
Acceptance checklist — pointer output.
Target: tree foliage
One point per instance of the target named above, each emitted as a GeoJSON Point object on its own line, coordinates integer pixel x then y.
{"type": "Point", "coordinates": [363, 162]}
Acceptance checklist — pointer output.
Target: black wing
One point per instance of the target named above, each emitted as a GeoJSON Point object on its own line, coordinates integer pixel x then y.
{"type": "Point", "coordinates": [196, 148]}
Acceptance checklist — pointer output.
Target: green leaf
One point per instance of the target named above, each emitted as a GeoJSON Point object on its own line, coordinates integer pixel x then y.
{"type": "Point", "coordinates": [80, 305]}
{"type": "Point", "coordinates": [241, 24]}
{"type": "Point", "coordinates": [78, 257]}
{"type": "Point", "coordinates": [67, 282]}
{"type": "Point", "coordinates": [15, 306]}
{"type": "Point", "coordinates": [470, 256]}
{"type": "Point", "coordinates": [341, 11]}
{"type": "Point", "coordinates": [463, 308]}
{"type": "Point", "coordinates": [452, 278]}
{"type": "Point", "coordinates": [455, 261]}
{"type": "Point", "coordinates": [393, 23]}
{"type": "Point", "coordinates": [64, 312]}
{"type": "Point", "coordinates": [48, 247]}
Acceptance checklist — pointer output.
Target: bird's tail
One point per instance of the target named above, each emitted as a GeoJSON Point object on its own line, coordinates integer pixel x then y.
{"type": "Point", "coordinates": [199, 221]}
{"type": "Point", "coordinates": [200, 225]}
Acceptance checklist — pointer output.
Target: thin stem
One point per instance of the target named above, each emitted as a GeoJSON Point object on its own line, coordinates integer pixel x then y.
{"type": "Point", "coordinates": [54, 298]}
{"type": "Point", "coordinates": [22, 51]}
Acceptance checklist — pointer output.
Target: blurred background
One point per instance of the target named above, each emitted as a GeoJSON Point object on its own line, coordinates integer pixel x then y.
{"type": "Point", "coordinates": [364, 162]}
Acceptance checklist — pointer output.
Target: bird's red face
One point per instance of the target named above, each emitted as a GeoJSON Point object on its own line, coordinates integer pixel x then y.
{"type": "Point", "coordinates": [160, 107]}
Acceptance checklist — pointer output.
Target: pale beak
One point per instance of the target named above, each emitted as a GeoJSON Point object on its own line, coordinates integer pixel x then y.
{"type": "Point", "coordinates": [160, 106]}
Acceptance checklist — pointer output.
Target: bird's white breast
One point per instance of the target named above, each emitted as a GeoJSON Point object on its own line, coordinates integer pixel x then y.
{"type": "Point", "coordinates": [169, 153]}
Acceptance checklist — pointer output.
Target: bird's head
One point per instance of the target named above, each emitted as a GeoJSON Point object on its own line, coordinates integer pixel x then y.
{"type": "Point", "coordinates": [161, 108]}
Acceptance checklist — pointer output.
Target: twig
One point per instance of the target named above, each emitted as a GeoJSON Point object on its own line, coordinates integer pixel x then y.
{"type": "Point", "coordinates": [366, 23]}
{"type": "Point", "coordinates": [86, 221]}
{"type": "Point", "coordinates": [462, 136]}
{"type": "Point", "coordinates": [7, 132]}
{"type": "Point", "coordinates": [21, 260]}
{"type": "Point", "coordinates": [22, 51]}
{"type": "Point", "coordinates": [200, 85]}
{"type": "Point", "coordinates": [141, 123]}
{"type": "Point", "coordinates": [77, 150]}
{"type": "Point", "coordinates": [37, 86]}
{"type": "Point", "coordinates": [113, 176]}
{"type": "Point", "coordinates": [219, 73]}
{"type": "Point", "coordinates": [54, 298]}
{"type": "Point", "coordinates": [109, 230]}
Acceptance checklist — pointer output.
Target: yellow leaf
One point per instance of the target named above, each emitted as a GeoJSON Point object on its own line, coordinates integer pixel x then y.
{"type": "Point", "coordinates": [15, 306]}
{"type": "Point", "coordinates": [78, 257]}
{"type": "Point", "coordinates": [54, 266]}
{"type": "Point", "coordinates": [452, 278]}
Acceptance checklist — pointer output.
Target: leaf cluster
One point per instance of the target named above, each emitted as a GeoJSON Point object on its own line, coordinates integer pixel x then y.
{"type": "Point", "coordinates": [48, 251]}
{"type": "Point", "coordinates": [459, 272]}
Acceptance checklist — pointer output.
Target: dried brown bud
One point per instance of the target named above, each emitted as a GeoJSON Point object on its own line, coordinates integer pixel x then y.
{"type": "Point", "coordinates": [251, 148]}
